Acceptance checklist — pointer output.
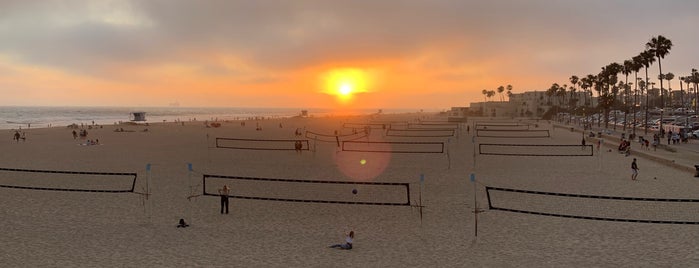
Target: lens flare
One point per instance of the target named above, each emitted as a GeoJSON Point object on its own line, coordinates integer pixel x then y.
{"type": "Point", "coordinates": [364, 166]}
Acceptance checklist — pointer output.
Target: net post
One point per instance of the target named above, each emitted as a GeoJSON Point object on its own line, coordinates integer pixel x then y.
{"type": "Point", "coordinates": [407, 188]}
{"type": "Point", "coordinates": [422, 182]}
{"type": "Point", "coordinates": [475, 204]}
{"type": "Point", "coordinates": [148, 206]}
{"type": "Point", "coordinates": [447, 150]}
{"type": "Point", "coordinates": [191, 190]}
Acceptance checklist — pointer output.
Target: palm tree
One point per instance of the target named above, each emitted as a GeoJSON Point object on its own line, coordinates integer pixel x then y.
{"type": "Point", "coordinates": [573, 81]}
{"type": "Point", "coordinates": [660, 46]}
{"type": "Point", "coordinates": [509, 91]}
{"type": "Point", "coordinates": [636, 65]}
{"type": "Point", "coordinates": [609, 78]}
{"type": "Point", "coordinates": [669, 76]}
{"type": "Point", "coordinates": [501, 89]}
{"type": "Point", "coordinates": [647, 59]}
{"type": "Point", "coordinates": [490, 93]}
{"type": "Point", "coordinates": [627, 69]}
{"type": "Point", "coordinates": [485, 95]}
{"type": "Point", "coordinates": [681, 79]}
{"type": "Point", "coordinates": [694, 78]}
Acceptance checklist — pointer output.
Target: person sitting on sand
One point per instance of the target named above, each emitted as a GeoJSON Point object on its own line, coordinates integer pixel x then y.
{"type": "Point", "coordinates": [182, 224]}
{"type": "Point", "coordinates": [349, 238]}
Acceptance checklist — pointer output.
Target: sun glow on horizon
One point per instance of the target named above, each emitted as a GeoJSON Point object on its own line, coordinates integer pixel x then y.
{"type": "Point", "coordinates": [344, 83]}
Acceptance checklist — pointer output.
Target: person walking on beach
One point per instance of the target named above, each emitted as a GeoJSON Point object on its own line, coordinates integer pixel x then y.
{"type": "Point", "coordinates": [224, 197]}
{"type": "Point", "coordinates": [583, 142]}
{"type": "Point", "coordinates": [349, 238]}
{"type": "Point", "coordinates": [634, 170]}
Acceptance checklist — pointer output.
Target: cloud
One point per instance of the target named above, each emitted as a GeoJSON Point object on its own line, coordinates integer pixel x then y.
{"type": "Point", "coordinates": [463, 44]}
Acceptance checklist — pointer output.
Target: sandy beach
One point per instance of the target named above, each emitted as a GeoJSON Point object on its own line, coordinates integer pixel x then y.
{"type": "Point", "coordinates": [84, 229]}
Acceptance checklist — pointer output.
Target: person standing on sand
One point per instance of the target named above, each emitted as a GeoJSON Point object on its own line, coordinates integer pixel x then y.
{"type": "Point", "coordinates": [634, 170]}
{"type": "Point", "coordinates": [583, 142]}
{"type": "Point", "coordinates": [224, 197]}
{"type": "Point", "coordinates": [349, 238]}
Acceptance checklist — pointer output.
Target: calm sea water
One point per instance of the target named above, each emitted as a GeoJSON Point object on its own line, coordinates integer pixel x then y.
{"type": "Point", "coordinates": [13, 117]}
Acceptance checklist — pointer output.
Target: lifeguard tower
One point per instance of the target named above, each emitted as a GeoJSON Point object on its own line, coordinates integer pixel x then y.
{"type": "Point", "coordinates": [138, 116]}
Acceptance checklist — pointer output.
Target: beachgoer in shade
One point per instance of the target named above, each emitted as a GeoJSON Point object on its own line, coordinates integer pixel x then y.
{"type": "Point", "coordinates": [349, 239]}
{"type": "Point", "coordinates": [224, 197]}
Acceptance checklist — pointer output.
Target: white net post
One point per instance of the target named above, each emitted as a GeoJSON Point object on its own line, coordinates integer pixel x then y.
{"type": "Point", "coordinates": [191, 192]}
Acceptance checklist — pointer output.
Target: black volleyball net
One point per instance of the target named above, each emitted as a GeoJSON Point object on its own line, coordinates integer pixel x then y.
{"type": "Point", "coordinates": [442, 126]}
{"type": "Point", "coordinates": [309, 191]}
{"type": "Point", "coordinates": [364, 125]}
{"type": "Point", "coordinates": [594, 207]}
{"type": "Point", "coordinates": [417, 133]}
{"type": "Point", "coordinates": [258, 144]}
{"type": "Point", "coordinates": [512, 133]}
{"type": "Point", "coordinates": [69, 181]}
{"type": "Point", "coordinates": [393, 147]}
{"type": "Point", "coordinates": [359, 134]}
{"type": "Point", "coordinates": [508, 127]}
{"type": "Point", "coordinates": [535, 149]}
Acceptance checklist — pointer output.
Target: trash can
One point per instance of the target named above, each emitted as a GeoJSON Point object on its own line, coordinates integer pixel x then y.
{"type": "Point", "coordinates": [572, 129]}
{"type": "Point", "coordinates": [599, 134]}
{"type": "Point", "coordinates": [697, 169]}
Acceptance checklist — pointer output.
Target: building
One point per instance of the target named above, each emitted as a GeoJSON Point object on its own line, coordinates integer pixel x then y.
{"type": "Point", "coordinates": [532, 104]}
{"type": "Point", "coordinates": [458, 114]}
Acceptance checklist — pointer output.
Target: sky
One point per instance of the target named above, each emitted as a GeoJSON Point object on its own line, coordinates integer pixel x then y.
{"type": "Point", "coordinates": [413, 54]}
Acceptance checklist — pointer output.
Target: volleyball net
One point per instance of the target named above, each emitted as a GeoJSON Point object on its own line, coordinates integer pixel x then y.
{"type": "Point", "coordinates": [364, 125]}
{"type": "Point", "coordinates": [259, 144]}
{"type": "Point", "coordinates": [393, 147]}
{"type": "Point", "coordinates": [309, 191]}
{"type": "Point", "coordinates": [507, 127]}
{"type": "Point", "coordinates": [417, 133]}
{"type": "Point", "coordinates": [535, 149]}
{"type": "Point", "coordinates": [594, 207]}
{"type": "Point", "coordinates": [335, 138]}
{"type": "Point", "coordinates": [508, 133]}
{"type": "Point", "coordinates": [439, 126]}
{"type": "Point", "coordinates": [69, 181]}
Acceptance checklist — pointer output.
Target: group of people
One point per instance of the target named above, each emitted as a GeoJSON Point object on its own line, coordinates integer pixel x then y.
{"type": "Point", "coordinates": [83, 134]}
{"type": "Point", "coordinates": [19, 136]}
{"type": "Point", "coordinates": [676, 137]}
{"type": "Point", "coordinates": [625, 147]}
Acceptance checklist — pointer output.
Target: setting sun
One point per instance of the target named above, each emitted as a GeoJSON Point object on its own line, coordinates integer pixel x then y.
{"type": "Point", "coordinates": [345, 82]}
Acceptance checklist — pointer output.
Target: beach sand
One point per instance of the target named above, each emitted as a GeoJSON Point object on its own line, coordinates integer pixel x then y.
{"type": "Point", "coordinates": [83, 229]}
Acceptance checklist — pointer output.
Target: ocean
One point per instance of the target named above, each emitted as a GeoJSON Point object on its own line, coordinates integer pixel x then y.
{"type": "Point", "coordinates": [14, 117]}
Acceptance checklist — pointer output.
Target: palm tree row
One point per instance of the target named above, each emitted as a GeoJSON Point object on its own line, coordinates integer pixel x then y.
{"type": "Point", "coordinates": [623, 95]}
{"type": "Point", "coordinates": [490, 93]}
